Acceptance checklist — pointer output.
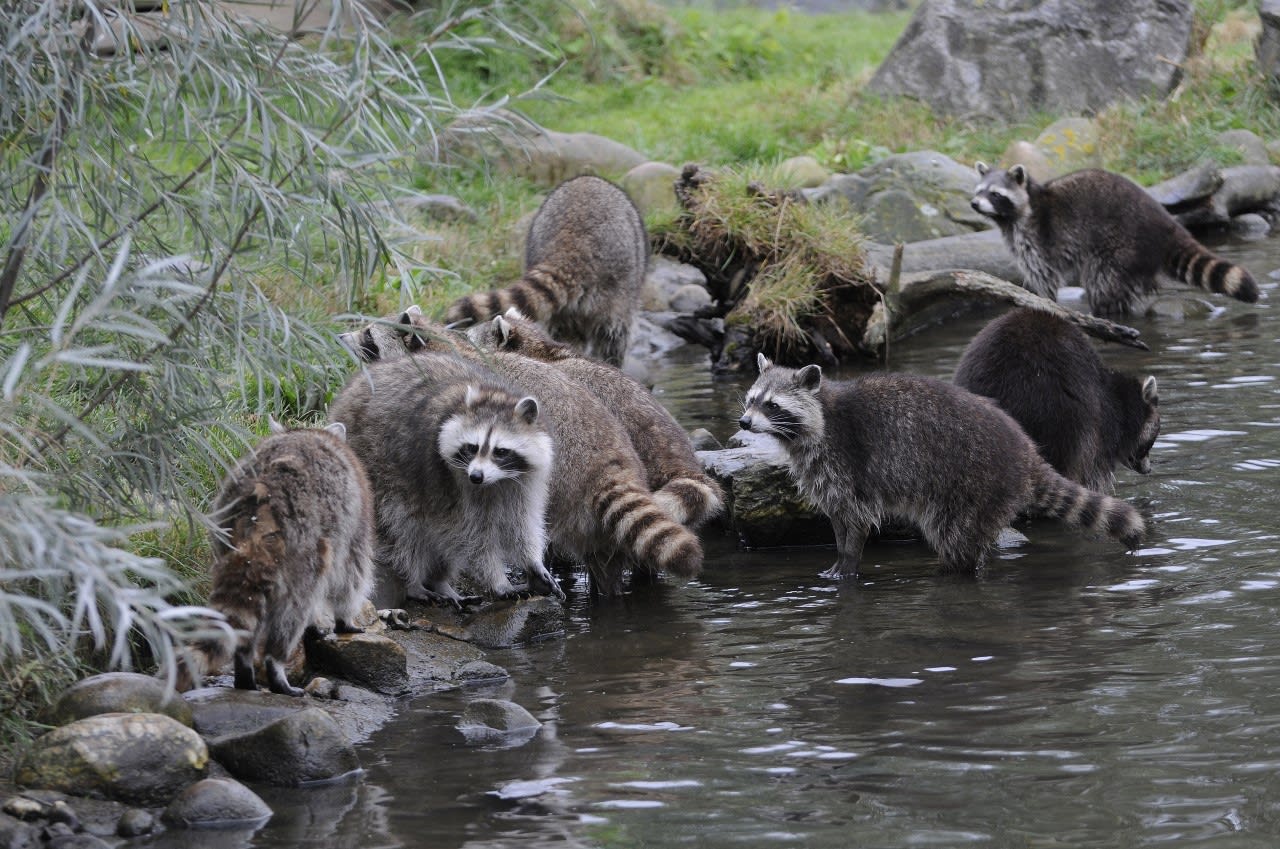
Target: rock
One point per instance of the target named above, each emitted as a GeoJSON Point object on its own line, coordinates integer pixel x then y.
{"type": "Point", "coordinates": [491, 720]}
{"type": "Point", "coordinates": [62, 836]}
{"type": "Point", "coordinates": [704, 440]}
{"type": "Point", "coordinates": [664, 279]}
{"type": "Point", "coordinates": [298, 748]}
{"type": "Point", "coordinates": [220, 711]}
{"type": "Point", "coordinates": [509, 623]}
{"type": "Point", "coordinates": [1032, 158]}
{"type": "Point", "coordinates": [908, 197]}
{"type": "Point", "coordinates": [1251, 225]}
{"type": "Point", "coordinates": [1267, 48]}
{"type": "Point", "coordinates": [16, 834]}
{"type": "Point", "coordinates": [139, 758]}
{"type": "Point", "coordinates": [763, 506]}
{"type": "Point", "coordinates": [690, 298]}
{"type": "Point", "coordinates": [22, 808]}
{"type": "Point", "coordinates": [216, 803]}
{"type": "Point", "coordinates": [800, 172]}
{"type": "Point", "coordinates": [1010, 58]}
{"type": "Point", "coordinates": [651, 187]}
{"type": "Point", "coordinates": [117, 692]}
{"type": "Point", "coordinates": [1251, 148]}
{"type": "Point", "coordinates": [519, 146]}
{"type": "Point", "coordinates": [136, 822]}
{"type": "Point", "coordinates": [480, 672]}
{"type": "Point", "coordinates": [1069, 144]}
{"type": "Point", "coordinates": [370, 660]}
{"type": "Point", "coordinates": [437, 207]}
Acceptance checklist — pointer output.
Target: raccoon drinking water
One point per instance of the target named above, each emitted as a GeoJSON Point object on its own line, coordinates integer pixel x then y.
{"type": "Point", "coordinates": [896, 445]}
{"type": "Point", "coordinates": [459, 461]}
{"type": "Point", "coordinates": [1083, 417]}
{"type": "Point", "coordinates": [1102, 232]}
{"type": "Point", "coordinates": [584, 266]}
{"type": "Point", "coordinates": [296, 537]}
{"type": "Point", "coordinates": [676, 477]}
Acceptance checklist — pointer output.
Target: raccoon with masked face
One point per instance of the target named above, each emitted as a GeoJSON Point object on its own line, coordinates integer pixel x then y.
{"type": "Point", "coordinates": [459, 461]}
{"type": "Point", "coordinates": [897, 445]}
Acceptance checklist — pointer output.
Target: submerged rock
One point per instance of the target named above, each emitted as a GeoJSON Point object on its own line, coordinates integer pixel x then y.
{"type": "Point", "coordinates": [497, 720]}
{"type": "Point", "coordinates": [117, 692]}
{"type": "Point", "coordinates": [216, 803]}
{"type": "Point", "coordinates": [298, 748]}
{"type": "Point", "coordinates": [140, 758]}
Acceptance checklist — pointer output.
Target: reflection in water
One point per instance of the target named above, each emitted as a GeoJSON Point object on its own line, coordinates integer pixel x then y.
{"type": "Point", "coordinates": [1071, 695]}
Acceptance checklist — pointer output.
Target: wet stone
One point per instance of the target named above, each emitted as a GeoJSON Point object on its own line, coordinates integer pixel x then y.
{"type": "Point", "coordinates": [117, 692]}
{"type": "Point", "coordinates": [135, 822]}
{"type": "Point", "coordinates": [497, 720]}
{"type": "Point", "coordinates": [216, 803]}
{"type": "Point", "coordinates": [480, 672]}
{"type": "Point", "coordinates": [299, 748]}
{"type": "Point", "coordinates": [370, 660]}
{"type": "Point", "coordinates": [16, 834]}
{"type": "Point", "coordinates": [24, 809]}
{"type": "Point", "coordinates": [509, 623]}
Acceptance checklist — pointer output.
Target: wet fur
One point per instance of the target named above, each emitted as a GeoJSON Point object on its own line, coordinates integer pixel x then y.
{"type": "Point", "coordinates": [585, 263]}
{"type": "Point", "coordinates": [1083, 416]}
{"type": "Point", "coordinates": [295, 521]}
{"type": "Point", "coordinates": [1102, 232]}
{"type": "Point", "coordinates": [676, 477]}
{"type": "Point", "coordinates": [434, 520]}
{"type": "Point", "coordinates": [896, 445]}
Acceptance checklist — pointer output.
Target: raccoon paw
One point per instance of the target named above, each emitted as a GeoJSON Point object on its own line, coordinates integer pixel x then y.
{"type": "Point", "coordinates": [543, 582]}
{"type": "Point", "coordinates": [342, 626]}
{"type": "Point", "coordinates": [839, 570]}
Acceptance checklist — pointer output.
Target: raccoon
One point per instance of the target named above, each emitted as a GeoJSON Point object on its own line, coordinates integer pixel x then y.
{"type": "Point", "coordinates": [1103, 232]}
{"type": "Point", "coordinates": [919, 449]}
{"type": "Point", "coordinates": [1083, 417]}
{"type": "Point", "coordinates": [459, 461]}
{"type": "Point", "coordinates": [676, 477]}
{"type": "Point", "coordinates": [584, 267]}
{"type": "Point", "coordinates": [600, 512]}
{"type": "Point", "coordinates": [295, 536]}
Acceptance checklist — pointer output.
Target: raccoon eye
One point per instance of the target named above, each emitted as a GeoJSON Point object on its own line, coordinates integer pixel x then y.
{"type": "Point", "coordinates": [771, 407]}
{"type": "Point", "coordinates": [469, 450]}
{"type": "Point", "coordinates": [502, 453]}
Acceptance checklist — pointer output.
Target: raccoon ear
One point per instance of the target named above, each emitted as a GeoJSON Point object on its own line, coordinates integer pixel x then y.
{"type": "Point", "coordinates": [275, 426]}
{"type": "Point", "coordinates": [809, 377]}
{"type": "Point", "coordinates": [1150, 392]}
{"type": "Point", "coordinates": [504, 330]}
{"type": "Point", "coordinates": [413, 311]}
{"type": "Point", "coordinates": [762, 362]}
{"type": "Point", "coordinates": [514, 312]}
{"type": "Point", "coordinates": [471, 397]}
{"type": "Point", "coordinates": [338, 429]}
{"type": "Point", "coordinates": [982, 168]}
{"type": "Point", "coordinates": [1019, 175]}
{"type": "Point", "coordinates": [527, 409]}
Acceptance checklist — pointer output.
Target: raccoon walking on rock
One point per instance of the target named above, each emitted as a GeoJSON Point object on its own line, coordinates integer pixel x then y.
{"type": "Point", "coordinates": [1102, 232]}
{"type": "Point", "coordinates": [459, 461]}
{"type": "Point", "coordinates": [1083, 416]}
{"type": "Point", "coordinates": [296, 520]}
{"type": "Point", "coordinates": [677, 479]}
{"type": "Point", "coordinates": [920, 449]}
{"type": "Point", "coordinates": [584, 267]}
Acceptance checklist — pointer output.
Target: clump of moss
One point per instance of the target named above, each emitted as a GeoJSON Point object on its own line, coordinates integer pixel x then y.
{"type": "Point", "coordinates": [789, 277]}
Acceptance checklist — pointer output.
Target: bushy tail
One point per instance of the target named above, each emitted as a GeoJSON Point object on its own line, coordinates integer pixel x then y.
{"type": "Point", "coordinates": [197, 659]}
{"type": "Point", "coordinates": [1194, 265]}
{"type": "Point", "coordinates": [690, 501]}
{"type": "Point", "coordinates": [644, 531]}
{"type": "Point", "coordinates": [1095, 513]}
{"type": "Point", "coordinates": [539, 294]}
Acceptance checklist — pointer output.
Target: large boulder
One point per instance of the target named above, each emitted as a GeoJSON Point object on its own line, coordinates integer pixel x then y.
{"type": "Point", "coordinates": [1010, 58]}
{"type": "Point", "coordinates": [298, 748]}
{"type": "Point", "coordinates": [1268, 46]}
{"type": "Point", "coordinates": [139, 758]}
{"type": "Point", "coordinates": [117, 692]}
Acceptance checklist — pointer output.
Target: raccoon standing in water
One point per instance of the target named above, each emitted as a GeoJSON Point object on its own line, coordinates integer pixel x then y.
{"type": "Point", "coordinates": [584, 266]}
{"type": "Point", "coordinates": [1102, 232]}
{"type": "Point", "coordinates": [600, 511]}
{"type": "Point", "coordinates": [920, 449]}
{"type": "Point", "coordinates": [459, 461]}
{"type": "Point", "coordinates": [297, 537]}
{"type": "Point", "coordinates": [676, 477]}
{"type": "Point", "coordinates": [1083, 416]}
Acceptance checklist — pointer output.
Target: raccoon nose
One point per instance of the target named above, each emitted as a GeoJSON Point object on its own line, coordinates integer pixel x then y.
{"type": "Point", "coordinates": [974, 204]}
{"type": "Point", "coordinates": [745, 422]}
{"type": "Point", "coordinates": [476, 476]}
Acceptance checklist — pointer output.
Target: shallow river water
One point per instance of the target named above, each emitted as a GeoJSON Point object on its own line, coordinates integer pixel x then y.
{"type": "Point", "coordinates": [1072, 695]}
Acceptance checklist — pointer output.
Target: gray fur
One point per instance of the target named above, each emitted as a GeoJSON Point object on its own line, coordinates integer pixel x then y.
{"type": "Point", "coordinates": [1083, 416]}
{"type": "Point", "coordinates": [1100, 231]}
{"type": "Point", "coordinates": [677, 479]}
{"type": "Point", "coordinates": [295, 538]}
{"type": "Point", "coordinates": [601, 512]}
{"type": "Point", "coordinates": [442, 509]}
{"type": "Point", "coordinates": [585, 262]}
{"type": "Point", "coordinates": [896, 445]}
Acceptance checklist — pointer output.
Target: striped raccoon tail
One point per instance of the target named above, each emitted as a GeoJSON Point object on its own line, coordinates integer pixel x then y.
{"type": "Point", "coordinates": [197, 659]}
{"type": "Point", "coordinates": [1193, 264]}
{"type": "Point", "coordinates": [1093, 512]}
{"type": "Point", "coordinates": [644, 531]}
{"type": "Point", "coordinates": [538, 295]}
{"type": "Point", "coordinates": [690, 501]}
